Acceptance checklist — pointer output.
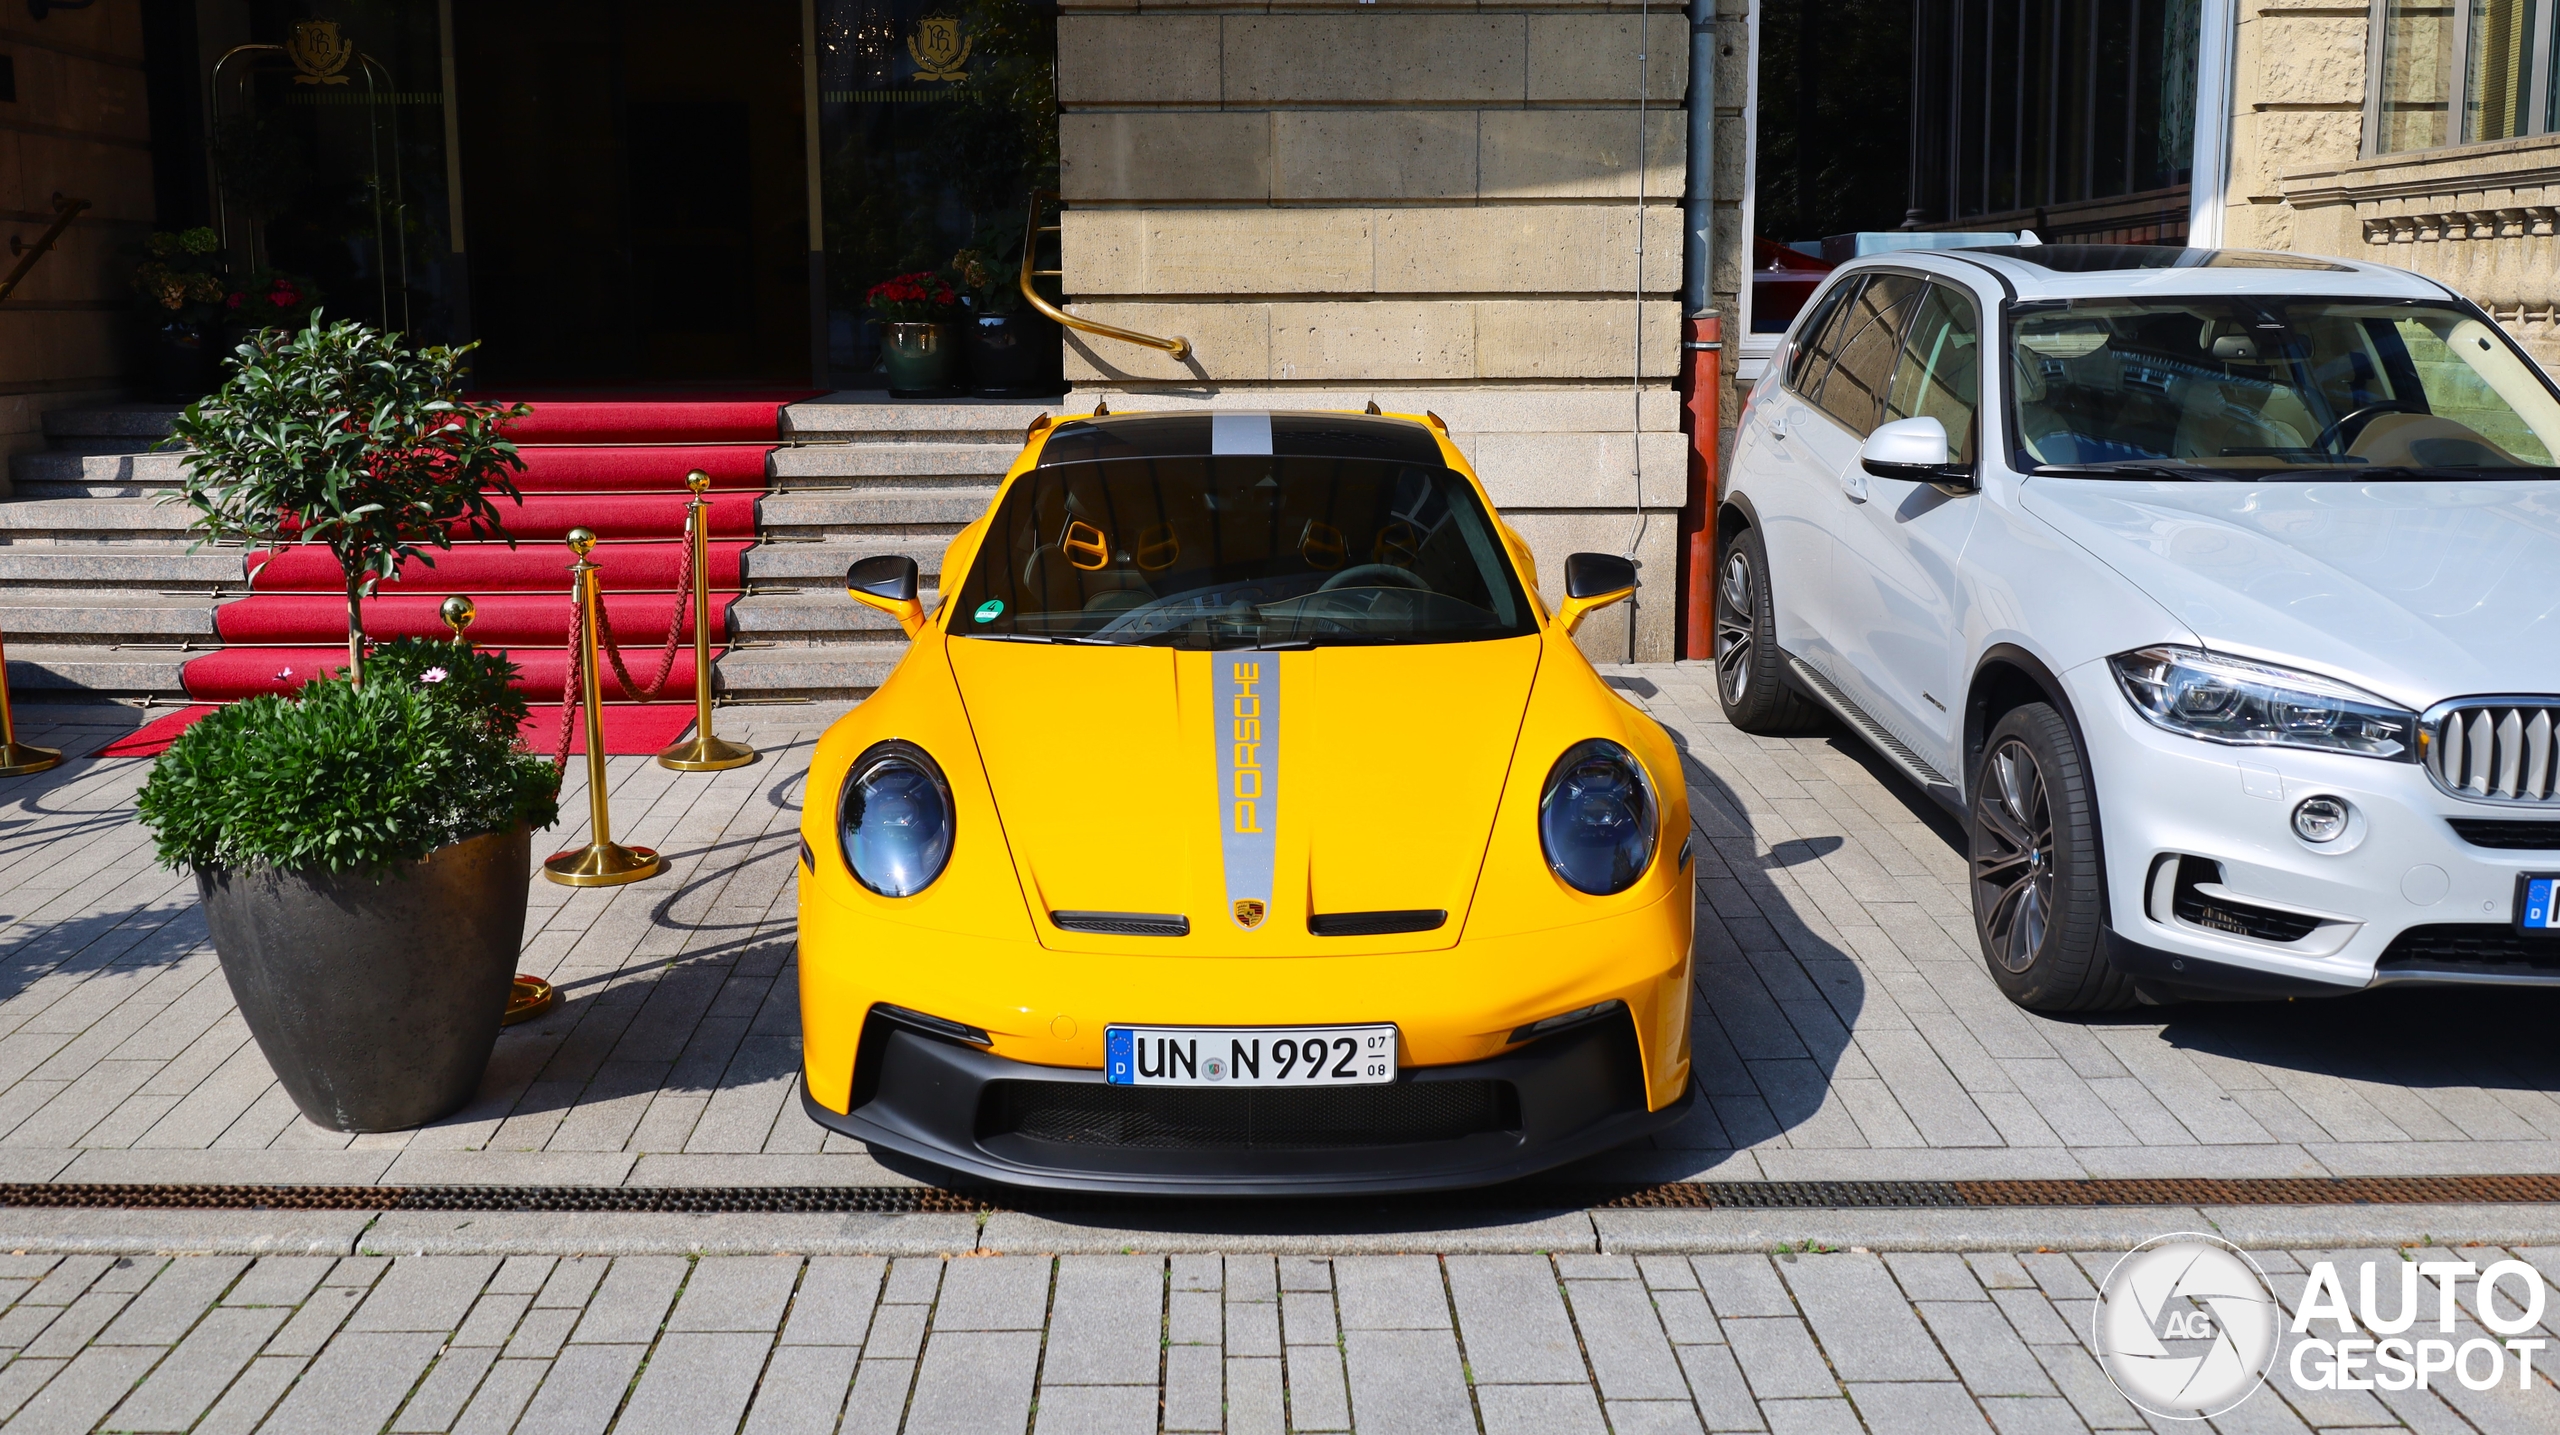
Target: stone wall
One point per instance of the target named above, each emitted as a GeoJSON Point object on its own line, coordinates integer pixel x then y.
{"type": "Point", "coordinates": [1435, 206]}
{"type": "Point", "coordinates": [78, 127]}
{"type": "Point", "coordinates": [2480, 218]}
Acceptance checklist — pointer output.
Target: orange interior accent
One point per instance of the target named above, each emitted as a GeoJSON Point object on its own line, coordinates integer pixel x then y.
{"type": "Point", "coordinates": [1086, 546]}
{"type": "Point", "coordinates": [1323, 545]}
{"type": "Point", "coordinates": [1158, 548]}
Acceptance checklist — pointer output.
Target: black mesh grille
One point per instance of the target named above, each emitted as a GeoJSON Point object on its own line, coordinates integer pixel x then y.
{"type": "Point", "coordinates": [2512, 836]}
{"type": "Point", "coordinates": [1374, 924]}
{"type": "Point", "coordinates": [2478, 946]}
{"type": "Point", "coordinates": [1123, 924]}
{"type": "Point", "coordinates": [1256, 1118]}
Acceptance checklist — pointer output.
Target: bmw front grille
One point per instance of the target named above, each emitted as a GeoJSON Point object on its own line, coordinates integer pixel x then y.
{"type": "Point", "coordinates": [2497, 749]}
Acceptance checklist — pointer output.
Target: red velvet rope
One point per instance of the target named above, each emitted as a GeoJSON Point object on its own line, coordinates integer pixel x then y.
{"type": "Point", "coordinates": [573, 692]}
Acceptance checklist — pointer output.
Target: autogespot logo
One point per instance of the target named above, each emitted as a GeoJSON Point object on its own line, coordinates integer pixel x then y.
{"type": "Point", "coordinates": [2186, 1326]}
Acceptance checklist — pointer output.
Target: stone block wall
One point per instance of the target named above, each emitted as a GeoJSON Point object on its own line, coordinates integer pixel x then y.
{"type": "Point", "coordinates": [1436, 206]}
{"type": "Point", "coordinates": [2480, 218]}
{"type": "Point", "coordinates": [78, 127]}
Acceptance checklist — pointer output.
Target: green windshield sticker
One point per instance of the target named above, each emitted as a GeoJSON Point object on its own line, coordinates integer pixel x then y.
{"type": "Point", "coordinates": [988, 610]}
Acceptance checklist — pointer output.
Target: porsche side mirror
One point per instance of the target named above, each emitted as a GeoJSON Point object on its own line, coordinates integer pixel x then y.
{"type": "Point", "coordinates": [1914, 451]}
{"type": "Point", "coordinates": [1593, 581]}
{"type": "Point", "coordinates": [887, 583]}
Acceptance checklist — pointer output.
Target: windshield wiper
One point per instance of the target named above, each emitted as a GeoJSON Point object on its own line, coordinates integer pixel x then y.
{"type": "Point", "coordinates": [1041, 638]}
{"type": "Point", "coordinates": [2122, 468]}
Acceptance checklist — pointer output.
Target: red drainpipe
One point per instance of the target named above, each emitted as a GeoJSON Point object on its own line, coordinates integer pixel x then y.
{"type": "Point", "coordinates": [1702, 406]}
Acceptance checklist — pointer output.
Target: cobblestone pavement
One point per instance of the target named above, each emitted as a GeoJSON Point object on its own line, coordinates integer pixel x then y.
{"type": "Point", "coordinates": [1812, 1342]}
{"type": "Point", "coordinates": [1846, 1027]}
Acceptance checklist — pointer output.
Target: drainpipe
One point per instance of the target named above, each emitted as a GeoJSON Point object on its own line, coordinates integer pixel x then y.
{"type": "Point", "coordinates": [1702, 345]}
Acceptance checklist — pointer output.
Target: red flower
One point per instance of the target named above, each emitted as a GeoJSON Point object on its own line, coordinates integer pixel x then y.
{"type": "Point", "coordinates": [236, 300]}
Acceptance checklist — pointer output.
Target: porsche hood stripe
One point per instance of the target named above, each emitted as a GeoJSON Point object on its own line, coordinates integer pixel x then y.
{"type": "Point", "coordinates": [1246, 434]}
{"type": "Point", "coordinates": [1245, 712]}
{"type": "Point", "coordinates": [1201, 435]}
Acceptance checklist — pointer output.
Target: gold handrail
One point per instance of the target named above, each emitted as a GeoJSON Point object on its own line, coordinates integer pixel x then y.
{"type": "Point", "coordinates": [65, 210]}
{"type": "Point", "coordinates": [1178, 346]}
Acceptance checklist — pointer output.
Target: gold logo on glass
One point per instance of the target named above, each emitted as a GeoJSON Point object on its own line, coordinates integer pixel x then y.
{"type": "Point", "coordinates": [319, 52]}
{"type": "Point", "coordinates": [939, 49]}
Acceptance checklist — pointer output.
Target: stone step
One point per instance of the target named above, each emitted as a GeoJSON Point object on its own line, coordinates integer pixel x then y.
{"type": "Point", "coordinates": [152, 567]}
{"type": "Point", "coordinates": [107, 616]}
{"type": "Point", "coordinates": [869, 513]}
{"type": "Point", "coordinates": [861, 418]}
{"type": "Point", "coordinates": [838, 673]}
{"type": "Point", "coordinates": [67, 473]}
{"type": "Point", "coordinates": [91, 522]}
{"type": "Point", "coordinates": [904, 464]}
{"type": "Point", "coordinates": [786, 566]}
{"type": "Point", "coordinates": [815, 616]}
{"type": "Point", "coordinates": [46, 669]}
{"type": "Point", "coordinates": [145, 422]}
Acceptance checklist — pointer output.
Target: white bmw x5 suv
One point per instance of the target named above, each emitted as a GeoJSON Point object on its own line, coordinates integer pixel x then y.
{"type": "Point", "coordinates": [2218, 593]}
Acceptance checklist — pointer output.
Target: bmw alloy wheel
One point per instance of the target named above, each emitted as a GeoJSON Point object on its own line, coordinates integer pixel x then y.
{"type": "Point", "coordinates": [1734, 619]}
{"type": "Point", "coordinates": [2013, 857]}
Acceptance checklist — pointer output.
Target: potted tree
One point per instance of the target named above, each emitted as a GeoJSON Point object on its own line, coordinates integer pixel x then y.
{"type": "Point", "coordinates": [362, 845]}
{"type": "Point", "coordinates": [1013, 353]}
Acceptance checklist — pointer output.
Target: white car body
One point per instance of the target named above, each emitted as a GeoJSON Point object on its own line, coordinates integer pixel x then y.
{"type": "Point", "coordinates": [1894, 602]}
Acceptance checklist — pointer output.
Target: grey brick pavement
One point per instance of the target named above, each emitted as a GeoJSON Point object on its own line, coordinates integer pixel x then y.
{"type": "Point", "coordinates": [1845, 1027]}
{"type": "Point", "coordinates": [1800, 1341]}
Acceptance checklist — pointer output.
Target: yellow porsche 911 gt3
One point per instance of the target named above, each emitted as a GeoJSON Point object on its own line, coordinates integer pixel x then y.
{"type": "Point", "coordinates": [1242, 823]}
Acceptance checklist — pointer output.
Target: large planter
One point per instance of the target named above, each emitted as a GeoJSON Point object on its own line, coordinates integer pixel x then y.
{"type": "Point", "coordinates": [1014, 356]}
{"type": "Point", "coordinates": [182, 363]}
{"type": "Point", "coordinates": [921, 360]}
{"type": "Point", "coordinates": [377, 1002]}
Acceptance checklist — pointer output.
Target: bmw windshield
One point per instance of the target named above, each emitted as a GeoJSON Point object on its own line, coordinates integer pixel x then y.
{"type": "Point", "coordinates": [2260, 389]}
{"type": "Point", "coordinates": [1242, 552]}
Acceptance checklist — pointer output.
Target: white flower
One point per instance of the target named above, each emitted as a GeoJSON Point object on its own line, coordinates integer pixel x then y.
{"type": "Point", "coordinates": [280, 677]}
{"type": "Point", "coordinates": [432, 675]}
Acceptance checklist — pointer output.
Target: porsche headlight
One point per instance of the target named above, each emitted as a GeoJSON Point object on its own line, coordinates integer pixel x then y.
{"type": "Point", "coordinates": [894, 820]}
{"type": "Point", "coordinates": [2232, 700]}
{"type": "Point", "coordinates": [1596, 819]}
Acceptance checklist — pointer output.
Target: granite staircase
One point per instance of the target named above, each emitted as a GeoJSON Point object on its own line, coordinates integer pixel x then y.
{"type": "Point", "coordinates": [101, 595]}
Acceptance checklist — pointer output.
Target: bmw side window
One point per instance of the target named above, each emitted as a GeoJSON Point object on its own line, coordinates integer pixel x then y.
{"type": "Point", "coordinates": [1818, 341]}
{"type": "Point", "coordinates": [1940, 374]}
{"type": "Point", "coordinates": [1853, 392]}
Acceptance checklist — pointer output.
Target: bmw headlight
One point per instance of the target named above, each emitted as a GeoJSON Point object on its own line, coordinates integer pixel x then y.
{"type": "Point", "coordinates": [1596, 819]}
{"type": "Point", "coordinates": [894, 820]}
{"type": "Point", "coordinates": [2226, 699]}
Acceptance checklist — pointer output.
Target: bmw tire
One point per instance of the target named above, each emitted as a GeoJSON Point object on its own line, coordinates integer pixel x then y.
{"type": "Point", "coordinates": [1750, 673]}
{"type": "Point", "coordinates": [2037, 879]}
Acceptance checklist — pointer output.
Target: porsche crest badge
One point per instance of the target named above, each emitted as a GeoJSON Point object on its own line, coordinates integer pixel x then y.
{"type": "Point", "coordinates": [1248, 913]}
{"type": "Point", "coordinates": [939, 48]}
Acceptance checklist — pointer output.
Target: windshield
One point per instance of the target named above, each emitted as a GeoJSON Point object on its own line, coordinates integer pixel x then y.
{"type": "Point", "coordinates": [2270, 388]}
{"type": "Point", "coordinates": [1242, 552]}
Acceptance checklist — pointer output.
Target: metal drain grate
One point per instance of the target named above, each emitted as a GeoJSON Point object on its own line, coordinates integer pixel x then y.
{"type": "Point", "coordinates": [1668, 1196]}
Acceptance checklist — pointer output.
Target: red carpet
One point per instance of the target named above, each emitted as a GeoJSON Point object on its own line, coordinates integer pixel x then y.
{"type": "Point", "coordinates": [610, 463]}
{"type": "Point", "coordinates": [629, 730]}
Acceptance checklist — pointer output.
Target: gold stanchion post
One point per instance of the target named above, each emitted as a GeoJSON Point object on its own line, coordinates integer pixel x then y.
{"type": "Point", "coordinates": [528, 996]}
{"type": "Point", "coordinates": [601, 863]}
{"type": "Point", "coordinates": [17, 759]}
{"type": "Point", "coordinates": [702, 752]}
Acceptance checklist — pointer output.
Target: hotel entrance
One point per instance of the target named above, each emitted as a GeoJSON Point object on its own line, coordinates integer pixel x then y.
{"type": "Point", "coordinates": [619, 193]}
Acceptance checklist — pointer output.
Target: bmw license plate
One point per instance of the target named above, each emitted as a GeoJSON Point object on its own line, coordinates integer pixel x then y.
{"type": "Point", "coordinates": [1249, 1055]}
{"type": "Point", "coordinates": [2538, 904]}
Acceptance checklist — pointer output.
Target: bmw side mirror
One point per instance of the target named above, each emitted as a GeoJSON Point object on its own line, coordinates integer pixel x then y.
{"type": "Point", "coordinates": [887, 583]}
{"type": "Point", "coordinates": [1593, 581]}
{"type": "Point", "coordinates": [1914, 451]}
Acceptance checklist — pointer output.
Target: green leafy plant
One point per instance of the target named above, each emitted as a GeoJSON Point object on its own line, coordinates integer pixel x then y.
{"type": "Point", "coordinates": [344, 435]}
{"type": "Point", "coordinates": [479, 683]}
{"type": "Point", "coordinates": [182, 281]}
{"type": "Point", "coordinates": [989, 285]}
{"type": "Point", "coordinates": [344, 778]}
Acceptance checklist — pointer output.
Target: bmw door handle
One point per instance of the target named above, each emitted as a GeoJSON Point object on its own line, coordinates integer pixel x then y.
{"type": "Point", "coordinates": [1854, 484]}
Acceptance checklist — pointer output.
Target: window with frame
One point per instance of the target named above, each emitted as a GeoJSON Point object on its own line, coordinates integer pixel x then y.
{"type": "Point", "coordinates": [2451, 72]}
{"type": "Point", "coordinates": [1853, 392]}
{"type": "Point", "coordinates": [1940, 374]}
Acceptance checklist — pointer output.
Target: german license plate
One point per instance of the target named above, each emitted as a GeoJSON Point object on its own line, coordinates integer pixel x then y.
{"type": "Point", "coordinates": [1249, 1055]}
{"type": "Point", "coordinates": [2538, 903]}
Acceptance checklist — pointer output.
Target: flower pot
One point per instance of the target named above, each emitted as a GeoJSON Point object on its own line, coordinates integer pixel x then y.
{"type": "Point", "coordinates": [920, 359]}
{"type": "Point", "coordinates": [182, 367]}
{"type": "Point", "coordinates": [376, 1002]}
{"type": "Point", "coordinates": [1014, 356]}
